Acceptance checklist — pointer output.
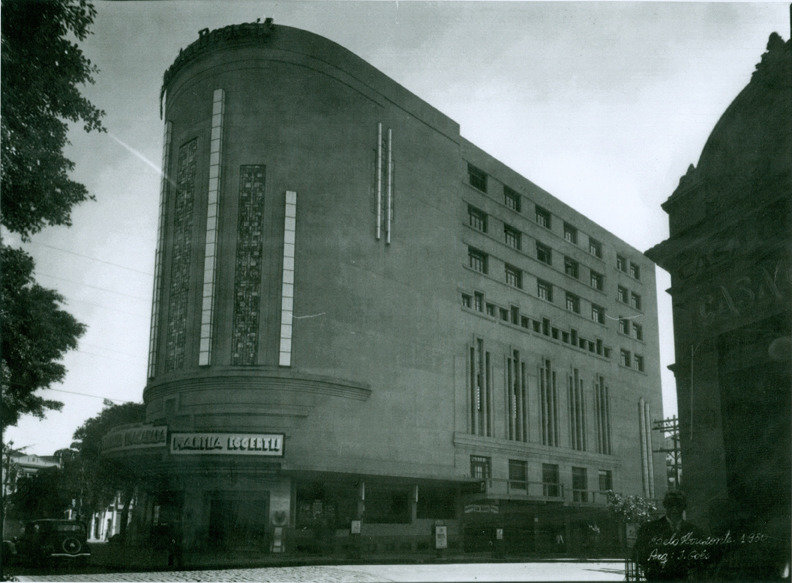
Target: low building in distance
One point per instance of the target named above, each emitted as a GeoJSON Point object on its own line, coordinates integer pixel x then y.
{"type": "Point", "coordinates": [365, 325]}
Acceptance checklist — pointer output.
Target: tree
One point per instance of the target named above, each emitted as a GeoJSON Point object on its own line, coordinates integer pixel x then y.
{"type": "Point", "coordinates": [43, 69]}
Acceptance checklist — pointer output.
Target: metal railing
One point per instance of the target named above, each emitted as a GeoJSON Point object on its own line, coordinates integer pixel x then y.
{"type": "Point", "coordinates": [549, 491]}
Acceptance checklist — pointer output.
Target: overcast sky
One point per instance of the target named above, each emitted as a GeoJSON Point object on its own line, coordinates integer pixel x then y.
{"type": "Point", "coordinates": [602, 104]}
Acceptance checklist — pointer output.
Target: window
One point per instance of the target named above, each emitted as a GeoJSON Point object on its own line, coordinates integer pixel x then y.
{"type": "Point", "coordinates": [543, 217]}
{"type": "Point", "coordinates": [577, 411]}
{"type": "Point", "coordinates": [513, 276]}
{"type": "Point", "coordinates": [602, 410]}
{"type": "Point", "coordinates": [637, 331]}
{"type": "Point", "coordinates": [605, 480]}
{"type": "Point", "coordinates": [574, 338]}
{"type": "Point", "coordinates": [477, 260]}
{"type": "Point", "coordinates": [517, 399]}
{"type": "Point", "coordinates": [548, 397]}
{"type": "Point", "coordinates": [479, 381]}
{"type": "Point", "coordinates": [551, 481]}
{"type": "Point", "coordinates": [515, 315]}
{"type": "Point", "coordinates": [518, 470]}
{"type": "Point", "coordinates": [572, 303]}
{"type": "Point", "coordinates": [571, 267]}
{"type": "Point", "coordinates": [545, 326]}
{"type": "Point", "coordinates": [621, 263]}
{"type": "Point", "coordinates": [607, 351]}
{"type": "Point", "coordinates": [570, 233]}
{"type": "Point", "coordinates": [554, 333]}
{"type": "Point", "coordinates": [598, 348]}
{"type": "Point", "coordinates": [595, 248]}
{"type": "Point", "coordinates": [491, 310]}
{"type": "Point", "coordinates": [565, 337]}
{"type": "Point", "coordinates": [598, 313]}
{"type": "Point", "coordinates": [544, 290]}
{"type": "Point", "coordinates": [624, 326]}
{"type": "Point", "coordinates": [596, 280]}
{"type": "Point", "coordinates": [639, 362]}
{"type": "Point", "coordinates": [543, 253]}
{"type": "Point", "coordinates": [504, 314]}
{"type": "Point", "coordinates": [621, 294]}
{"type": "Point", "coordinates": [579, 485]}
{"type": "Point", "coordinates": [635, 270]}
{"type": "Point", "coordinates": [512, 237]}
{"type": "Point", "coordinates": [466, 301]}
{"type": "Point", "coordinates": [511, 199]}
{"type": "Point", "coordinates": [624, 356]}
{"type": "Point", "coordinates": [537, 326]}
{"type": "Point", "coordinates": [480, 467]}
{"type": "Point", "coordinates": [477, 178]}
{"type": "Point", "coordinates": [478, 301]}
{"type": "Point", "coordinates": [635, 301]}
{"type": "Point", "coordinates": [582, 343]}
{"type": "Point", "coordinates": [524, 322]}
{"type": "Point", "coordinates": [477, 219]}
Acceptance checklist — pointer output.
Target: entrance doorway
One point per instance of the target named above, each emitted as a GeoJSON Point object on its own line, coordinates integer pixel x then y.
{"type": "Point", "coordinates": [239, 520]}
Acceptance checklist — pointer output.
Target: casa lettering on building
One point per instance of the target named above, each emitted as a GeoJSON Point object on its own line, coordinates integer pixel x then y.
{"type": "Point", "coordinates": [264, 444]}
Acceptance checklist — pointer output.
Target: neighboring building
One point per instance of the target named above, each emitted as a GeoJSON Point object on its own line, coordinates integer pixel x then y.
{"type": "Point", "coordinates": [18, 465]}
{"type": "Point", "coordinates": [359, 315]}
{"type": "Point", "coordinates": [729, 259]}
{"type": "Point", "coordinates": [107, 523]}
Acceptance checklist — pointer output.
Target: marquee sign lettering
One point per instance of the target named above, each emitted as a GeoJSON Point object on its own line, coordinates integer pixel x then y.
{"type": "Point", "coordinates": [135, 438]}
{"type": "Point", "coordinates": [258, 444]}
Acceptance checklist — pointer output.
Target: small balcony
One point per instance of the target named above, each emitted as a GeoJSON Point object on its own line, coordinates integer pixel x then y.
{"type": "Point", "coordinates": [543, 492]}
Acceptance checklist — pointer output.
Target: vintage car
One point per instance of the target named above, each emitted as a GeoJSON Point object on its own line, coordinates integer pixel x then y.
{"type": "Point", "coordinates": [48, 540]}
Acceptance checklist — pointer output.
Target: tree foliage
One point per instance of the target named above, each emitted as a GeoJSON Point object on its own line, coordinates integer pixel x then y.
{"type": "Point", "coordinates": [631, 508]}
{"type": "Point", "coordinates": [36, 333]}
{"type": "Point", "coordinates": [43, 69]}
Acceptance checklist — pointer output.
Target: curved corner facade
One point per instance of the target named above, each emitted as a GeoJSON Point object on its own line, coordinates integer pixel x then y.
{"type": "Point", "coordinates": [356, 325]}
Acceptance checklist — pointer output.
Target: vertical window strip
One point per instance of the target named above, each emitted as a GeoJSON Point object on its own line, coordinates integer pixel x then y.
{"type": "Point", "coordinates": [287, 289]}
{"type": "Point", "coordinates": [210, 253]}
{"type": "Point", "coordinates": [379, 181]}
{"type": "Point", "coordinates": [155, 304]}
{"type": "Point", "coordinates": [607, 419]}
{"type": "Point", "coordinates": [474, 395]}
{"type": "Point", "coordinates": [389, 209]}
{"type": "Point", "coordinates": [644, 453]}
{"type": "Point", "coordinates": [524, 401]}
{"type": "Point", "coordinates": [648, 437]}
{"type": "Point", "coordinates": [510, 399]}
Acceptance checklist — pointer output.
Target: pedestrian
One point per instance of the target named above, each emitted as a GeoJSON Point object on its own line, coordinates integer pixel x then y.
{"type": "Point", "coordinates": [175, 558]}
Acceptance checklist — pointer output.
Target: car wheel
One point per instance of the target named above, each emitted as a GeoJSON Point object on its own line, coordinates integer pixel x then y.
{"type": "Point", "coordinates": [72, 545]}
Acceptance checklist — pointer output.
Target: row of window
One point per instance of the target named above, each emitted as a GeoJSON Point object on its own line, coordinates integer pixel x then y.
{"type": "Point", "coordinates": [625, 296]}
{"type": "Point", "coordinates": [629, 328]}
{"type": "Point", "coordinates": [477, 219]}
{"type": "Point", "coordinates": [477, 178]}
{"type": "Point", "coordinates": [481, 468]}
{"type": "Point", "coordinates": [634, 268]}
{"type": "Point", "coordinates": [512, 314]}
{"type": "Point", "coordinates": [479, 261]}
{"type": "Point", "coordinates": [630, 360]}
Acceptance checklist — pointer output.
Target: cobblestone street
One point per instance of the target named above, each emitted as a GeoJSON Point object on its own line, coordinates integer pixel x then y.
{"type": "Point", "coordinates": [547, 571]}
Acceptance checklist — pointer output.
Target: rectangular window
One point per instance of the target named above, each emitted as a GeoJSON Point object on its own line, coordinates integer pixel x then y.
{"type": "Point", "coordinates": [582, 343]}
{"type": "Point", "coordinates": [480, 467]}
{"type": "Point", "coordinates": [515, 315]}
{"type": "Point", "coordinates": [595, 248]}
{"type": "Point", "coordinates": [637, 331]}
{"type": "Point", "coordinates": [478, 301]}
{"type": "Point", "coordinates": [570, 233]}
{"type": "Point", "coordinates": [524, 321]}
{"type": "Point", "coordinates": [477, 219]}
{"type": "Point", "coordinates": [543, 217]}
{"type": "Point", "coordinates": [480, 389]}
{"type": "Point", "coordinates": [572, 303]}
{"type": "Point", "coordinates": [571, 267]}
{"type": "Point", "coordinates": [579, 485]}
{"type": "Point", "coordinates": [607, 351]}
{"type": "Point", "coordinates": [574, 336]}
{"type": "Point", "coordinates": [548, 397]}
{"type": "Point", "coordinates": [491, 310]}
{"type": "Point", "coordinates": [621, 294]}
{"type": "Point", "coordinates": [545, 326]}
{"type": "Point", "coordinates": [512, 237]}
{"type": "Point", "coordinates": [511, 199]}
{"type": "Point", "coordinates": [598, 348]}
{"type": "Point", "coordinates": [544, 290]}
{"type": "Point", "coordinates": [602, 410]}
{"type": "Point", "coordinates": [621, 263]}
{"type": "Point", "coordinates": [517, 398]}
{"type": "Point", "coordinates": [477, 260]}
{"type": "Point", "coordinates": [551, 481]}
{"type": "Point", "coordinates": [635, 270]}
{"type": "Point", "coordinates": [537, 326]}
{"type": "Point", "coordinates": [504, 314]}
{"type": "Point", "coordinates": [624, 326]}
{"type": "Point", "coordinates": [513, 276]}
{"type": "Point", "coordinates": [624, 357]}
{"type": "Point", "coordinates": [636, 301]}
{"type": "Point", "coordinates": [477, 178]}
{"type": "Point", "coordinates": [518, 472]}
{"type": "Point", "coordinates": [639, 362]}
{"type": "Point", "coordinates": [605, 480]}
{"type": "Point", "coordinates": [565, 337]}
{"type": "Point", "coordinates": [596, 280]}
{"type": "Point", "coordinates": [577, 411]}
{"type": "Point", "coordinates": [598, 313]}
{"type": "Point", "coordinates": [467, 301]}
{"type": "Point", "coordinates": [555, 333]}
{"type": "Point", "coordinates": [543, 253]}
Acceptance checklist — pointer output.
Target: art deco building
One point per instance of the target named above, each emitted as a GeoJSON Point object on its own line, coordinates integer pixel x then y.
{"type": "Point", "coordinates": [359, 315]}
{"type": "Point", "coordinates": [729, 259]}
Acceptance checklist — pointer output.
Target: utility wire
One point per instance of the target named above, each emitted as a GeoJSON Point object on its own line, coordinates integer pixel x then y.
{"type": "Point", "coordinates": [39, 274]}
{"type": "Point", "coordinates": [88, 395]}
{"type": "Point", "coordinates": [91, 258]}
